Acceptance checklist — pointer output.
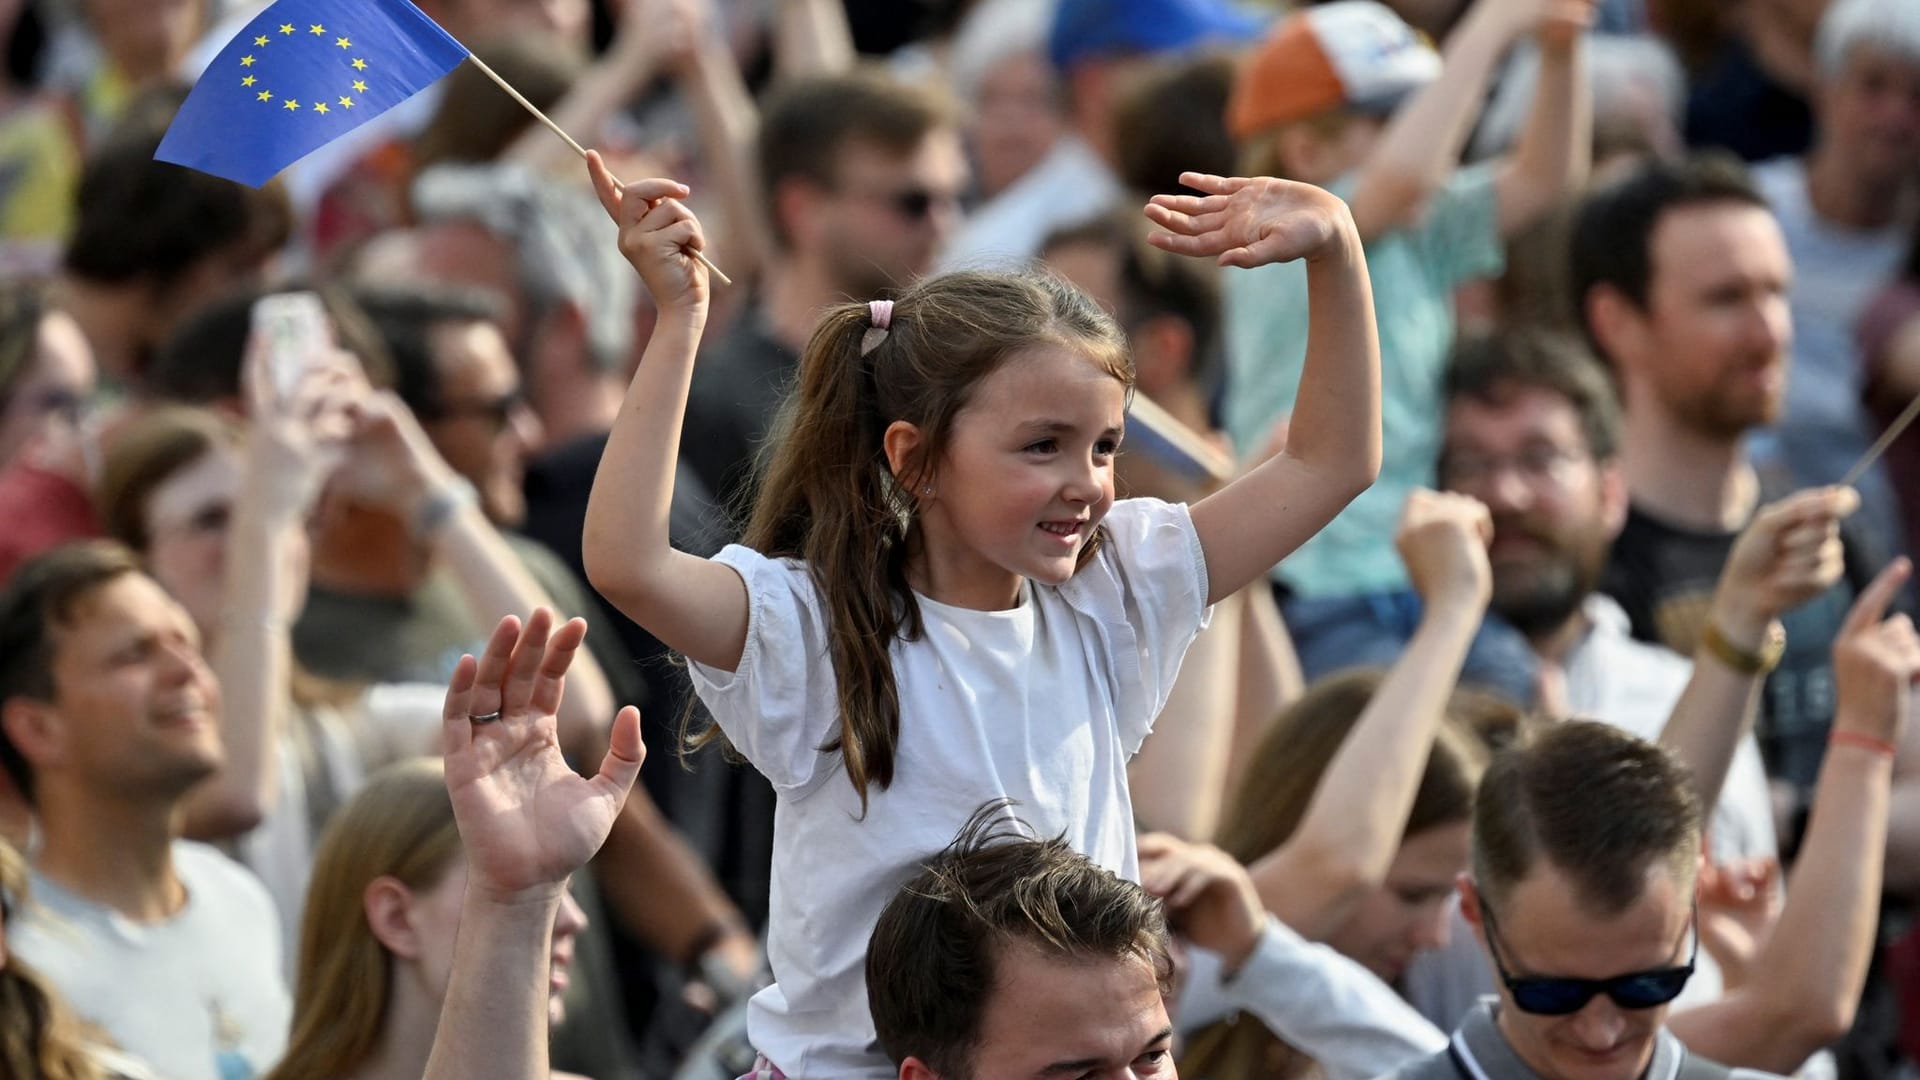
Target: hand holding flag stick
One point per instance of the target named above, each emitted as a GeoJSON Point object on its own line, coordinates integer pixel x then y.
{"type": "Point", "coordinates": [306, 72]}
{"type": "Point", "coordinates": [718, 274]}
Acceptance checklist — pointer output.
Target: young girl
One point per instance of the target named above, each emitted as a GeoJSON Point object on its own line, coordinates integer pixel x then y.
{"type": "Point", "coordinates": [938, 600]}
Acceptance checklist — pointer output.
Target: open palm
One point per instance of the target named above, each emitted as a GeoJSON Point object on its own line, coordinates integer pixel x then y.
{"type": "Point", "coordinates": [1246, 222]}
{"type": "Point", "coordinates": [526, 818]}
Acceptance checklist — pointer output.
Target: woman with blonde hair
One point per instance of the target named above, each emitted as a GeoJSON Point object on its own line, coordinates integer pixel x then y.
{"type": "Point", "coordinates": [377, 941]}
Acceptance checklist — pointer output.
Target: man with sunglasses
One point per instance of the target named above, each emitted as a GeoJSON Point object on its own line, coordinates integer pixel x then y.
{"type": "Point", "coordinates": [1586, 846]}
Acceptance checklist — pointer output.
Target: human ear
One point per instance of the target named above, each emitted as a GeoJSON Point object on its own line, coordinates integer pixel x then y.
{"type": "Point", "coordinates": [34, 729]}
{"type": "Point", "coordinates": [389, 908]}
{"type": "Point", "coordinates": [1613, 500]}
{"type": "Point", "coordinates": [1615, 321]}
{"type": "Point", "coordinates": [915, 1069]}
{"type": "Point", "coordinates": [905, 445]}
{"type": "Point", "coordinates": [1470, 905]}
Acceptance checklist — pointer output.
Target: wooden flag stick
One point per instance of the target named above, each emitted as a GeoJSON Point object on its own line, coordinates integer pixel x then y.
{"type": "Point", "coordinates": [1880, 445]}
{"type": "Point", "coordinates": [577, 148]}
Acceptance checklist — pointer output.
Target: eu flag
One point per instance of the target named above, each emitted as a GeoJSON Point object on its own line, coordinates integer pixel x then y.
{"type": "Point", "coordinates": [303, 73]}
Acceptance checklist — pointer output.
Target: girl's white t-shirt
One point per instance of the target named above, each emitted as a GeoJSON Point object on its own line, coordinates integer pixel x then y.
{"type": "Point", "coordinates": [1043, 703]}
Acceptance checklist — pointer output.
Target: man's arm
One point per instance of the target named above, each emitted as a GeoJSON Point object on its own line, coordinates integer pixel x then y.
{"type": "Point", "coordinates": [1789, 554]}
{"type": "Point", "coordinates": [1807, 979]}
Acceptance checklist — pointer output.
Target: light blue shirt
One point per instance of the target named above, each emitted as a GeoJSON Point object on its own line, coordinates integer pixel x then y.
{"type": "Point", "coordinates": [1414, 272]}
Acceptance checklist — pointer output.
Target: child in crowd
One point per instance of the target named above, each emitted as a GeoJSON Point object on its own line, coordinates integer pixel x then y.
{"type": "Point", "coordinates": [1346, 96]}
{"type": "Point", "coordinates": [938, 594]}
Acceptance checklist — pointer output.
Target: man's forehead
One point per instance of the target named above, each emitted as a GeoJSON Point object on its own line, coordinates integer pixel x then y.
{"type": "Point", "coordinates": [1047, 1008]}
{"type": "Point", "coordinates": [1510, 408]}
{"type": "Point", "coordinates": [125, 604]}
{"type": "Point", "coordinates": [1740, 237]}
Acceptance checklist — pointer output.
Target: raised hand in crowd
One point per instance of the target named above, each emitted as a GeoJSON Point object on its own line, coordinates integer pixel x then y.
{"type": "Point", "coordinates": [1210, 898]}
{"type": "Point", "coordinates": [1250, 222]}
{"type": "Point", "coordinates": [1789, 554]}
{"type": "Point", "coordinates": [528, 821]}
{"type": "Point", "coordinates": [1804, 982]}
{"type": "Point", "coordinates": [1351, 831]}
{"type": "Point", "coordinates": [1739, 902]}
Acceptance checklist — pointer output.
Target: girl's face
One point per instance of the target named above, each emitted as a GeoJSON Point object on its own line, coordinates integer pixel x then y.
{"type": "Point", "coordinates": [435, 917]}
{"type": "Point", "coordinates": [1026, 476]}
{"type": "Point", "coordinates": [1410, 912]}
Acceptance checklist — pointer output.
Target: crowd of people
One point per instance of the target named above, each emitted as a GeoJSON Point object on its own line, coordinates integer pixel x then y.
{"type": "Point", "coordinates": [1365, 538]}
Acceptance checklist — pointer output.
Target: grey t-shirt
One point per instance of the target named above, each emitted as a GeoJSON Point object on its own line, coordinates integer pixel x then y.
{"type": "Point", "coordinates": [1478, 1051]}
{"type": "Point", "coordinates": [198, 996]}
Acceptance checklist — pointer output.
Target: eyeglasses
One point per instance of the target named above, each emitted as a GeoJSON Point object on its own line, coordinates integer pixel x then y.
{"type": "Point", "coordinates": [1545, 996]}
{"type": "Point", "coordinates": [914, 203]}
{"type": "Point", "coordinates": [1539, 466]}
{"type": "Point", "coordinates": [499, 412]}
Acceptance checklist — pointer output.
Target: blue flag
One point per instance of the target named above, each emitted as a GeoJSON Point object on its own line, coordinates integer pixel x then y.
{"type": "Point", "coordinates": [302, 74]}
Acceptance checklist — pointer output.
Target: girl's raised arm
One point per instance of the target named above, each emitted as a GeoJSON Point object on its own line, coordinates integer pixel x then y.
{"type": "Point", "coordinates": [694, 606]}
{"type": "Point", "coordinates": [1333, 447]}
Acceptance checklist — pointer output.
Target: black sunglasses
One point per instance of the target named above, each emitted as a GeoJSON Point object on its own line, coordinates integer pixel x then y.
{"type": "Point", "coordinates": [1544, 996]}
{"type": "Point", "coordinates": [914, 204]}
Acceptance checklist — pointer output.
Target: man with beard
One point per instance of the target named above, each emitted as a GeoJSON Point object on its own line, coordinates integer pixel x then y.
{"type": "Point", "coordinates": [1680, 276]}
{"type": "Point", "coordinates": [862, 177]}
{"type": "Point", "coordinates": [1532, 429]}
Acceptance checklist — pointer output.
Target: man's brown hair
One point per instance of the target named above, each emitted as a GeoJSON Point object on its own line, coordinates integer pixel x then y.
{"type": "Point", "coordinates": [807, 126]}
{"type": "Point", "coordinates": [42, 597]}
{"type": "Point", "coordinates": [1597, 804]}
{"type": "Point", "coordinates": [930, 962]}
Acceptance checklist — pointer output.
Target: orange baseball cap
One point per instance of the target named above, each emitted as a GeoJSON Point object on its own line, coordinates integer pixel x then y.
{"type": "Point", "coordinates": [1355, 54]}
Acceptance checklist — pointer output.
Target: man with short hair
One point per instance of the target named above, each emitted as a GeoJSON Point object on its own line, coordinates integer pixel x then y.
{"type": "Point", "coordinates": [1680, 276]}
{"type": "Point", "coordinates": [1586, 843]}
{"type": "Point", "coordinates": [1010, 956]}
{"type": "Point", "coordinates": [862, 177]}
{"type": "Point", "coordinates": [109, 717]}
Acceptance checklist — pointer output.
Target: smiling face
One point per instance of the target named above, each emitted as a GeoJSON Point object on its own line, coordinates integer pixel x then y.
{"type": "Point", "coordinates": [135, 704]}
{"type": "Point", "coordinates": [1025, 478]}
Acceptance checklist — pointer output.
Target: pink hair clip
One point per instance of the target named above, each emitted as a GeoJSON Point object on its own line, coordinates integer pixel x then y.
{"type": "Point", "coordinates": [880, 314]}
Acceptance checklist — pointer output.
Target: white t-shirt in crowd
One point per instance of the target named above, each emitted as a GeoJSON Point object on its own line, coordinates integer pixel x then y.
{"type": "Point", "coordinates": [1043, 703]}
{"type": "Point", "coordinates": [198, 996]}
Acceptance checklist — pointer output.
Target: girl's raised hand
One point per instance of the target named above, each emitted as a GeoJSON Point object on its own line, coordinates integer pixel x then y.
{"type": "Point", "coordinates": [1250, 222]}
{"type": "Point", "coordinates": [658, 235]}
{"type": "Point", "coordinates": [527, 819]}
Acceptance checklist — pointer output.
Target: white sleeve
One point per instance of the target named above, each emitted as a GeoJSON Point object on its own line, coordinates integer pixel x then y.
{"type": "Point", "coordinates": [781, 704]}
{"type": "Point", "coordinates": [1320, 1003]}
{"type": "Point", "coordinates": [1154, 553]}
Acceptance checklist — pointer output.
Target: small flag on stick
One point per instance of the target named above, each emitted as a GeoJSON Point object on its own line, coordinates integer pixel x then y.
{"type": "Point", "coordinates": [305, 72]}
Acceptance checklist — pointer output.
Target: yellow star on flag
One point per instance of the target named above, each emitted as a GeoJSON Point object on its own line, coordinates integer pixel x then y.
{"type": "Point", "coordinates": [286, 28]}
{"type": "Point", "coordinates": [343, 42]}
{"type": "Point", "coordinates": [316, 28]}
{"type": "Point", "coordinates": [359, 64]}
{"type": "Point", "coordinates": [346, 103]}
{"type": "Point", "coordinates": [261, 40]}
{"type": "Point", "coordinates": [246, 61]}
{"type": "Point", "coordinates": [265, 95]}
{"type": "Point", "coordinates": [290, 104]}
{"type": "Point", "coordinates": [359, 87]}
{"type": "Point", "coordinates": [248, 81]}
{"type": "Point", "coordinates": [320, 107]}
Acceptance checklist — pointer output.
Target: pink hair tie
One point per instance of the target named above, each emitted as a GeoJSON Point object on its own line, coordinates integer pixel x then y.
{"type": "Point", "coordinates": [880, 314]}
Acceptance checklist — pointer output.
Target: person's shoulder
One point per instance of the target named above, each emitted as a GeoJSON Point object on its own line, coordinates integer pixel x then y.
{"type": "Point", "coordinates": [1435, 1066]}
{"type": "Point", "coordinates": [211, 875]}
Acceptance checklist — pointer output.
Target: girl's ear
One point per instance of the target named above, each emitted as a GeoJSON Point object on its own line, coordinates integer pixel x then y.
{"type": "Point", "coordinates": [389, 906]}
{"type": "Point", "coordinates": [904, 444]}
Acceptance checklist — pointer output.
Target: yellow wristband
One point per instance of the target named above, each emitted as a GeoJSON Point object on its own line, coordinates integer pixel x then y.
{"type": "Point", "coordinates": [1758, 662]}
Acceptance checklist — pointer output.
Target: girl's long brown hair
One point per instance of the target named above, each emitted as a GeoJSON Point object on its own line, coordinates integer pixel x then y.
{"type": "Point", "coordinates": [39, 1035]}
{"type": "Point", "coordinates": [401, 826]}
{"type": "Point", "coordinates": [827, 496]}
{"type": "Point", "coordinates": [1273, 796]}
